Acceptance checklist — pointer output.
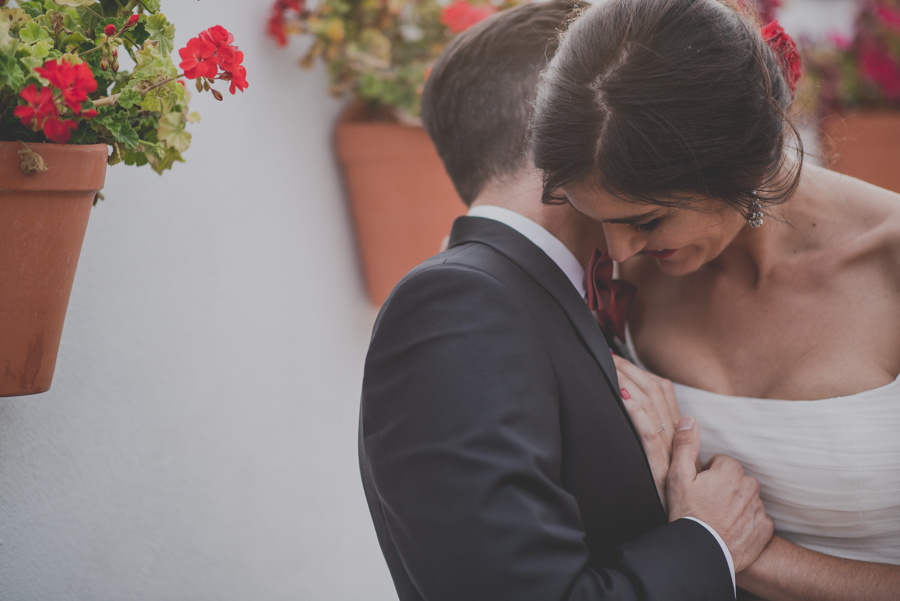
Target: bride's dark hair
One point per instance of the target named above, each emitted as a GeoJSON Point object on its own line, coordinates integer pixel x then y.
{"type": "Point", "coordinates": [661, 101]}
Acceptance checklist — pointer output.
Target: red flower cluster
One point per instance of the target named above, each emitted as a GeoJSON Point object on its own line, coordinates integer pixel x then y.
{"type": "Point", "coordinates": [43, 109]}
{"type": "Point", "coordinates": [461, 15]}
{"type": "Point", "coordinates": [786, 50]}
{"type": "Point", "coordinates": [213, 50]}
{"type": "Point", "coordinates": [881, 69]}
{"type": "Point", "coordinates": [278, 19]}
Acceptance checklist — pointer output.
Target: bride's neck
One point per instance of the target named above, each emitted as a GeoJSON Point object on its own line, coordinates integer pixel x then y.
{"type": "Point", "coordinates": [802, 223]}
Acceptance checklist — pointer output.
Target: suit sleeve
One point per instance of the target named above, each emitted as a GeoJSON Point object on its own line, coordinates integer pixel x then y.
{"type": "Point", "coordinates": [460, 426]}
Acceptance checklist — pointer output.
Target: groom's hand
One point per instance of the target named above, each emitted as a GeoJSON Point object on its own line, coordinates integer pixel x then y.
{"type": "Point", "coordinates": [721, 496]}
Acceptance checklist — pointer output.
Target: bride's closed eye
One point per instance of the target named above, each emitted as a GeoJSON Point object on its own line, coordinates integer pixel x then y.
{"type": "Point", "coordinates": [647, 226]}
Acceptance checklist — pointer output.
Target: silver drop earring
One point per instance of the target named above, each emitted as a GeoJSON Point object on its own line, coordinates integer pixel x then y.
{"type": "Point", "coordinates": [755, 214]}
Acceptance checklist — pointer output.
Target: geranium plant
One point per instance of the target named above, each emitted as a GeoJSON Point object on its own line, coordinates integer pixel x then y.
{"type": "Point", "coordinates": [378, 50]}
{"type": "Point", "coordinates": [860, 72]}
{"type": "Point", "coordinates": [61, 79]}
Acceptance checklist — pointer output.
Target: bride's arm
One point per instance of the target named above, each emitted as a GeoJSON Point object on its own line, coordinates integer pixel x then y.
{"type": "Point", "coordinates": [787, 572]}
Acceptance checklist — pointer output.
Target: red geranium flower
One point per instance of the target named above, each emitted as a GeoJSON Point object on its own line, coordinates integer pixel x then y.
{"type": "Point", "coordinates": [786, 50]}
{"type": "Point", "coordinates": [110, 29]}
{"type": "Point", "coordinates": [198, 59]}
{"type": "Point", "coordinates": [218, 36]}
{"type": "Point", "coordinates": [132, 21]}
{"type": "Point", "coordinates": [461, 15]}
{"type": "Point", "coordinates": [239, 80]}
{"type": "Point", "coordinates": [40, 106]}
{"type": "Point", "coordinates": [59, 130]}
{"type": "Point", "coordinates": [74, 81]}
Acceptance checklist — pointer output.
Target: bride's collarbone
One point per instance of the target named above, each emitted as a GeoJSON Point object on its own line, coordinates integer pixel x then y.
{"type": "Point", "coordinates": [780, 346]}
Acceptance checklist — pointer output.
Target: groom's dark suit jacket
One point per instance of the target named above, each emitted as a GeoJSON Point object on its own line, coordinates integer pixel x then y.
{"type": "Point", "coordinates": [498, 461]}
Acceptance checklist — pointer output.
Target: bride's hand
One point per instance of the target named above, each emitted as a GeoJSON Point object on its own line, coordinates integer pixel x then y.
{"type": "Point", "coordinates": [651, 404]}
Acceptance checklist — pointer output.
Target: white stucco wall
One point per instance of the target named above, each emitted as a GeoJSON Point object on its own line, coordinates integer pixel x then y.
{"type": "Point", "coordinates": [199, 442]}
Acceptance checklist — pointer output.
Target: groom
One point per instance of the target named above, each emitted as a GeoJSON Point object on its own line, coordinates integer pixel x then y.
{"type": "Point", "coordinates": [497, 458]}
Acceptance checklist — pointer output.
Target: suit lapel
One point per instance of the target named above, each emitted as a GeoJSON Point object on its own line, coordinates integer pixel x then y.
{"type": "Point", "coordinates": [531, 259]}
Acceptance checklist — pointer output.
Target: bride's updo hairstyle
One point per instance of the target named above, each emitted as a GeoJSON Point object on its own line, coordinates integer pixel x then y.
{"type": "Point", "coordinates": [664, 101]}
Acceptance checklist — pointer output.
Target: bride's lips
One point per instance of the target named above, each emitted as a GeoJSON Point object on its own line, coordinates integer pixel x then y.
{"type": "Point", "coordinates": [660, 254]}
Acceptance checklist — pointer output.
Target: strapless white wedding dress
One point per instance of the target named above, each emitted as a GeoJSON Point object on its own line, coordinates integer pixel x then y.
{"type": "Point", "coordinates": [829, 470]}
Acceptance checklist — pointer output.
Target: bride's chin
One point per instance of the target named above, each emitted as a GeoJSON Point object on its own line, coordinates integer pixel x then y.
{"type": "Point", "coordinates": [675, 268]}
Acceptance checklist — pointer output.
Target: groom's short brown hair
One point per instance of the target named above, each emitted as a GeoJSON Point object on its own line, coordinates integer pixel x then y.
{"type": "Point", "coordinates": [478, 100]}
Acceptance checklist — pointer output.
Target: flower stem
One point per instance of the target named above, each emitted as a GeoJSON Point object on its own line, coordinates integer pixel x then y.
{"type": "Point", "coordinates": [111, 100]}
{"type": "Point", "coordinates": [91, 51]}
{"type": "Point", "coordinates": [101, 17]}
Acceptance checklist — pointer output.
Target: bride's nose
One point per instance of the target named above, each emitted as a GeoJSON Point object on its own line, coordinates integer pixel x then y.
{"type": "Point", "coordinates": [623, 242]}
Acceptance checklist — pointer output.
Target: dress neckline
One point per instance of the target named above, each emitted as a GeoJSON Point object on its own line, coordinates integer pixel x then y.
{"type": "Point", "coordinates": [629, 344]}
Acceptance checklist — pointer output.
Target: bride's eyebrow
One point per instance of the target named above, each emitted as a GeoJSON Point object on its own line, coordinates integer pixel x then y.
{"type": "Point", "coordinates": [633, 218]}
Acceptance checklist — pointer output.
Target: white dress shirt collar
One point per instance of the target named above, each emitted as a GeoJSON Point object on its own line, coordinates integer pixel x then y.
{"type": "Point", "coordinates": [540, 237]}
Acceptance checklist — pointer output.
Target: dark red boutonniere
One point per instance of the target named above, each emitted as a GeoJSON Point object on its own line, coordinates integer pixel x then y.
{"type": "Point", "coordinates": [608, 297]}
{"type": "Point", "coordinates": [786, 50]}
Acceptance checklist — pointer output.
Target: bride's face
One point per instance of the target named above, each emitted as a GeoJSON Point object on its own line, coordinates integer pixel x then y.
{"type": "Point", "coordinates": [681, 240]}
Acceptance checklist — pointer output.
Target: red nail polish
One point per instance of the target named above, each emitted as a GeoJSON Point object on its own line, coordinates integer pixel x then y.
{"type": "Point", "coordinates": [625, 394]}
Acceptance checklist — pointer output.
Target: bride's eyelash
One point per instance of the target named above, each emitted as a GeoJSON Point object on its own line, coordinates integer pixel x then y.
{"type": "Point", "coordinates": [647, 226]}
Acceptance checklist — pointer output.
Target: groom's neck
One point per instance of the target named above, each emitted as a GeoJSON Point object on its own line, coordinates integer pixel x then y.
{"type": "Point", "coordinates": [522, 194]}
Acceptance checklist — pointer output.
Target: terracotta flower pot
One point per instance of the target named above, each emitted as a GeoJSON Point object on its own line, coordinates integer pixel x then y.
{"type": "Point", "coordinates": [864, 145]}
{"type": "Point", "coordinates": [402, 200]}
{"type": "Point", "coordinates": [43, 217]}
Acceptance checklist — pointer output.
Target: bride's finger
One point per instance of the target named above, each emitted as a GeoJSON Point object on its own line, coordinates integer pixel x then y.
{"type": "Point", "coordinates": [632, 391]}
{"type": "Point", "coordinates": [655, 447]}
{"type": "Point", "coordinates": [658, 391]}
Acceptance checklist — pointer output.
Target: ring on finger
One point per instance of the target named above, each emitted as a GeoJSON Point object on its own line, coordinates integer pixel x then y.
{"type": "Point", "coordinates": [661, 428]}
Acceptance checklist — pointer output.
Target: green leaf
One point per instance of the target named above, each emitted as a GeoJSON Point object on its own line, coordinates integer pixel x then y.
{"type": "Point", "coordinates": [129, 97]}
{"type": "Point", "coordinates": [151, 103]}
{"type": "Point", "coordinates": [39, 50]}
{"type": "Point", "coordinates": [7, 42]}
{"type": "Point", "coordinates": [32, 32]}
{"type": "Point", "coordinates": [171, 131]}
{"type": "Point", "coordinates": [152, 64]}
{"type": "Point", "coordinates": [160, 165]}
{"type": "Point", "coordinates": [127, 136]}
{"type": "Point", "coordinates": [161, 31]}
{"type": "Point", "coordinates": [11, 74]}
{"type": "Point", "coordinates": [74, 39]}
{"type": "Point", "coordinates": [31, 62]}
{"type": "Point", "coordinates": [75, 2]}
{"type": "Point", "coordinates": [88, 19]}
{"type": "Point", "coordinates": [119, 128]}
{"type": "Point", "coordinates": [151, 5]}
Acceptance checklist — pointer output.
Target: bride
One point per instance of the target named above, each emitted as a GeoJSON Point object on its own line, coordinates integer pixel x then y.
{"type": "Point", "coordinates": [768, 290]}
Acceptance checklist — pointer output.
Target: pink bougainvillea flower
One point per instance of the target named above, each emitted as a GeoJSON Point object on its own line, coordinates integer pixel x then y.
{"type": "Point", "coordinates": [461, 15]}
{"type": "Point", "coordinates": [198, 59]}
{"type": "Point", "coordinates": [839, 40]}
{"type": "Point", "coordinates": [882, 70]}
{"type": "Point", "coordinates": [74, 81]}
{"type": "Point", "coordinates": [59, 130]}
{"type": "Point", "coordinates": [889, 16]}
{"type": "Point", "coordinates": [40, 107]}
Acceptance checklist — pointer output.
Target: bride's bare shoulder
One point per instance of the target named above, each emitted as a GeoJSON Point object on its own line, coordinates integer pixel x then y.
{"type": "Point", "coordinates": [872, 215]}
